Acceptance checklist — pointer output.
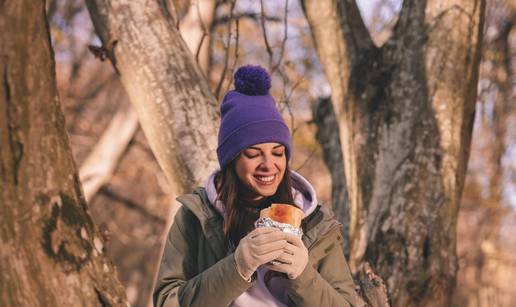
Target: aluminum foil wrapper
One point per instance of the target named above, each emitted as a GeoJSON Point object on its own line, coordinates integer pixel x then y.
{"type": "Point", "coordinates": [268, 222]}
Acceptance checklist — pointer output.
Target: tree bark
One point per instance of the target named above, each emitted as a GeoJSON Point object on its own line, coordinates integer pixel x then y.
{"type": "Point", "coordinates": [177, 112]}
{"type": "Point", "coordinates": [328, 136]}
{"type": "Point", "coordinates": [51, 253]}
{"type": "Point", "coordinates": [405, 113]}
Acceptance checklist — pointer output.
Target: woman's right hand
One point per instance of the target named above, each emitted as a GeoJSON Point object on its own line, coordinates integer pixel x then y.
{"type": "Point", "coordinates": [260, 246]}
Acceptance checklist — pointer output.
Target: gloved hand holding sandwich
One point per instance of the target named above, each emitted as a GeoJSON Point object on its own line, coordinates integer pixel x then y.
{"type": "Point", "coordinates": [275, 243]}
{"type": "Point", "coordinates": [288, 219]}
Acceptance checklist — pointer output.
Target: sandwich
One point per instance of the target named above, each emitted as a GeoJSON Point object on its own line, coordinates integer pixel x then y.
{"type": "Point", "coordinates": [282, 213]}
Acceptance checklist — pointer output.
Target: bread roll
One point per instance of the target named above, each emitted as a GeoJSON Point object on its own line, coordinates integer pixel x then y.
{"type": "Point", "coordinates": [282, 213]}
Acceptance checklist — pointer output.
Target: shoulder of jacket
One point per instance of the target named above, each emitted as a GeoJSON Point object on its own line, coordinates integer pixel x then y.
{"type": "Point", "coordinates": [327, 211]}
{"type": "Point", "coordinates": [191, 199]}
{"type": "Point", "coordinates": [198, 203]}
{"type": "Point", "coordinates": [319, 224]}
{"type": "Point", "coordinates": [321, 215]}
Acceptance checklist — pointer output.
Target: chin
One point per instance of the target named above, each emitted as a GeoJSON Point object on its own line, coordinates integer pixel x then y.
{"type": "Point", "coordinates": [266, 192]}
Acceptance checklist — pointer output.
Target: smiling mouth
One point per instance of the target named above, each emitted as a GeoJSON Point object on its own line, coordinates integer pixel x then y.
{"type": "Point", "coordinates": [265, 180]}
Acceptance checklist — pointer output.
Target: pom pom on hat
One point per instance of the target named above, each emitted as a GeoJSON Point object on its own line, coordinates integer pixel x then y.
{"type": "Point", "coordinates": [252, 80]}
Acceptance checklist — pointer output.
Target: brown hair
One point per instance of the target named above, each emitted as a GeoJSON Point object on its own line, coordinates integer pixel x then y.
{"type": "Point", "coordinates": [240, 217]}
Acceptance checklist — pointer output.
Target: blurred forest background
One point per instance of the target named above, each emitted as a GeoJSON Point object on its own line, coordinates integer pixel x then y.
{"type": "Point", "coordinates": [131, 202]}
{"type": "Point", "coordinates": [128, 194]}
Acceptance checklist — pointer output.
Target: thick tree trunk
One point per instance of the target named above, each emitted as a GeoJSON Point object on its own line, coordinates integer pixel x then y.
{"type": "Point", "coordinates": [176, 109]}
{"type": "Point", "coordinates": [405, 114]}
{"type": "Point", "coordinates": [51, 253]}
{"type": "Point", "coordinates": [177, 112]}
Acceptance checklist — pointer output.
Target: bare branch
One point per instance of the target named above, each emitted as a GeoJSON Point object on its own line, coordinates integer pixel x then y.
{"type": "Point", "coordinates": [285, 37]}
{"type": "Point", "coordinates": [264, 32]}
{"type": "Point", "coordinates": [237, 38]}
{"type": "Point", "coordinates": [98, 168]}
{"type": "Point", "coordinates": [226, 50]}
{"type": "Point", "coordinates": [204, 32]}
{"type": "Point", "coordinates": [198, 51]}
{"type": "Point", "coordinates": [245, 15]}
{"type": "Point", "coordinates": [308, 159]}
{"type": "Point", "coordinates": [130, 204]}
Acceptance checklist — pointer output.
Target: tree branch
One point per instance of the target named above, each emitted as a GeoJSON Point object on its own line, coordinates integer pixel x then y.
{"type": "Point", "coordinates": [411, 22]}
{"type": "Point", "coordinates": [344, 18]}
{"type": "Point", "coordinates": [98, 168]}
{"type": "Point", "coordinates": [245, 15]}
{"type": "Point", "coordinates": [358, 37]}
{"type": "Point", "coordinates": [264, 33]}
{"type": "Point", "coordinates": [284, 40]}
{"type": "Point", "coordinates": [164, 84]}
{"type": "Point", "coordinates": [235, 60]}
{"type": "Point", "coordinates": [130, 204]}
{"type": "Point", "coordinates": [227, 48]}
{"type": "Point", "coordinates": [341, 39]}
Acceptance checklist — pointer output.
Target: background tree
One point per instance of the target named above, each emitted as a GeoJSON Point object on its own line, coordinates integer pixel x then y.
{"type": "Point", "coordinates": [52, 254]}
{"type": "Point", "coordinates": [132, 205]}
{"type": "Point", "coordinates": [405, 111]}
{"type": "Point", "coordinates": [485, 262]}
{"type": "Point", "coordinates": [165, 85]}
{"type": "Point", "coordinates": [175, 107]}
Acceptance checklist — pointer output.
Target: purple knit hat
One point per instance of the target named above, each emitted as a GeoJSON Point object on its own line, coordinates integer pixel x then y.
{"type": "Point", "coordinates": [249, 115]}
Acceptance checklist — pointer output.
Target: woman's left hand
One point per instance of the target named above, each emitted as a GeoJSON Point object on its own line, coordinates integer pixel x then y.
{"type": "Point", "coordinates": [293, 260]}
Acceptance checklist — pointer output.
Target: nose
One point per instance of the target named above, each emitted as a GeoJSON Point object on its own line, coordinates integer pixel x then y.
{"type": "Point", "coordinates": [266, 162]}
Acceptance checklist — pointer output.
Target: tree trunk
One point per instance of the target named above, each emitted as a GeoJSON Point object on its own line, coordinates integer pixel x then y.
{"type": "Point", "coordinates": [177, 112]}
{"type": "Point", "coordinates": [328, 136]}
{"type": "Point", "coordinates": [405, 113]}
{"type": "Point", "coordinates": [51, 253]}
{"type": "Point", "coordinates": [176, 109]}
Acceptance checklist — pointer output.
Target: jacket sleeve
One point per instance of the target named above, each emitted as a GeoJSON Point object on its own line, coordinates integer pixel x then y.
{"type": "Point", "coordinates": [327, 282]}
{"type": "Point", "coordinates": [178, 282]}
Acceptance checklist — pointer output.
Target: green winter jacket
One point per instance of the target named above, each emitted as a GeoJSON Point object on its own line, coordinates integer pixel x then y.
{"type": "Point", "coordinates": [195, 269]}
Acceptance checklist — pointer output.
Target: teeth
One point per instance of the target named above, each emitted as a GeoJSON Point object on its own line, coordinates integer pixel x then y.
{"type": "Point", "coordinates": [265, 179]}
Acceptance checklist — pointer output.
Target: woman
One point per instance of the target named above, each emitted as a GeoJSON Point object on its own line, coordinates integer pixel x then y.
{"type": "Point", "coordinates": [213, 256]}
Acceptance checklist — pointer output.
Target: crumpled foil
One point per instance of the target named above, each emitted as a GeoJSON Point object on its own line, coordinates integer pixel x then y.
{"type": "Point", "coordinates": [268, 222]}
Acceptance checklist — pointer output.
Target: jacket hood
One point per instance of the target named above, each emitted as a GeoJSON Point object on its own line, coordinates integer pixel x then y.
{"type": "Point", "coordinates": [303, 194]}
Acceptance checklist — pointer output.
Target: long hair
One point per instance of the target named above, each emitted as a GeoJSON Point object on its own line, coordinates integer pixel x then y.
{"type": "Point", "coordinates": [240, 217]}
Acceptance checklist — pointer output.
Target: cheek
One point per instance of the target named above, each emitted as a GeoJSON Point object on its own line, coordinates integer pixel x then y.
{"type": "Point", "coordinates": [244, 169]}
{"type": "Point", "coordinates": [282, 164]}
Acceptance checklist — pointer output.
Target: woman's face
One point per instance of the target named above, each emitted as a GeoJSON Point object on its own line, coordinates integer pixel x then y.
{"type": "Point", "coordinates": [261, 168]}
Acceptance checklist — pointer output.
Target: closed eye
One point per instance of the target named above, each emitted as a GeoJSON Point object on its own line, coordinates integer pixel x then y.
{"type": "Point", "coordinates": [251, 155]}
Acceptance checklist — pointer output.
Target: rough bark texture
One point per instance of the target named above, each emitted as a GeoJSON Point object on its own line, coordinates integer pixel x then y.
{"type": "Point", "coordinates": [177, 112]}
{"type": "Point", "coordinates": [405, 113]}
{"type": "Point", "coordinates": [328, 136]}
{"type": "Point", "coordinates": [51, 253]}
